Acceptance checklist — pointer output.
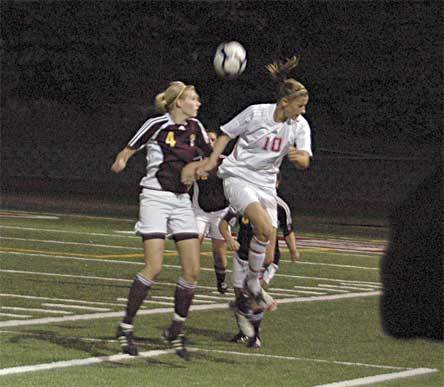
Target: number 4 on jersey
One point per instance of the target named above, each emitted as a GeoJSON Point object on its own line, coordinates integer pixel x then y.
{"type": "Point", "coordinates": [170, 140]}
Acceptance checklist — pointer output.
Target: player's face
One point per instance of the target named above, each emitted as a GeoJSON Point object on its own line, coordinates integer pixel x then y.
{"type": "Point", "coordinates": [294, 107]}
{"type": "Point", "coordinates": [213, 138]}
{"type": "Point", "coordinates": [189, 103]}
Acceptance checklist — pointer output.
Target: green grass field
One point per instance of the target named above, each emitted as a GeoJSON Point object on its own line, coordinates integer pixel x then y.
{"type": "Point", "coordinates": [64, 283]}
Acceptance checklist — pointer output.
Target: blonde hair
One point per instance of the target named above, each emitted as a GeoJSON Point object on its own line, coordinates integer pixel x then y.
{"type": "Point", "coordinates": [288, 87]}
{"type": "Point", "coordinates": [165, 100]}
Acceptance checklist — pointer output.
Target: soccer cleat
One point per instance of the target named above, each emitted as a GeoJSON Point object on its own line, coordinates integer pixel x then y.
{"type": "Point", "coordinates": [261, 301]}
{"type": "Point", "coordinates": [244, 324]}
{"type": "Point", "coordinates": [178, 343]}
{"type": "Point", "coordinates": [125, 336]}
{"type": "Point", "coordinates": [240, 338]}
{"type": "Point", "coordinates": [254, 342]}
{"type": "Point", "coordinates": [222, 287]}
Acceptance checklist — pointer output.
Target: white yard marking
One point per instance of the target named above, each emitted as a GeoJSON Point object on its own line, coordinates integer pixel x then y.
{"type": "Point", "coordinates": [381, 378]}
{"type": "Point", "coordinates": [59, 299]}
{"type": "Point", "coordinates": [76, 307]}
{"type": "Point", "coordinates": [50, 241]}
{"type": "Point", "coordinates": [93, 316]}
{"type": "Point", "coordinates": [342, 287]}
{"type": "Point", "coordinates": [52, 230]}
{"type": "Point", "coordinates": [40, 310]}
{"type": "Point", "coordinates": [336, 265]}
{"type": "Point", "coordinates": [119, 261]}
{"type": "Point", "coordinates": [15, 315]}
{"type": "Point", "coordinates": [402, 371]}
{"type": "Point", "coordinates": [150, 302]}
{"type": "Point", "coordinates": [81, 362]}
{"type": "Point", "coordinates": [220, 297]}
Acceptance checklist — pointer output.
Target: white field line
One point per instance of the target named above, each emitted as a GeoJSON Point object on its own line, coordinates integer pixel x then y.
{"type": "Point", "coordinates": [364, 285]}
{"type": "Point", "coordinates": [172, 299]}
{"type": "Point", "coordinates": [310, 287]}
{"type": "Point", "coordinates": [101, 260]}
{"type": "Point", "coordinates": [124, 234]}
{"type": "Point", "coordinates": [335, 290]}
{"type": "Point", "coordinates": [15, 315]}
{"type": "Point", "coordinates": [76, 307]}
{"type": "Point", "coordinates": [59, 299]}
{"type": "Point", "coordinates": [141, 263]}
{"type": "Point", "coordinates": [52, 230]}
{"type": "Point", "coordinates": [149, 302]}
{"type": "Point", "coordinates": [199, 296]}
{"type": "Point", "coordinates": [205, 307]}
{"type": "Point", "coordinates": [121, 357]}
{"type": "Point", "coordinates": [81, 362]}
{"type": "Point", "coordinates": [40, 310]}
{"type": "Point", "coordinates": [336, 265]}
{"type": "Point", "coordinates": [345, 287]}
{"type": "Point", "coordinates": [380, 378]}
{"type": "Point", "coordinates": [77, 338]}
{"type": "Point", "coordinates": [73, 215]}
{"type": "Point", "coordinates": [49, 241]}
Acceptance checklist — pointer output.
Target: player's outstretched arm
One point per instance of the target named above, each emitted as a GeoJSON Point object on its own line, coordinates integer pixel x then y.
{"type": "Point", "coordinates": [299, 158]}
{"type": "Point", "coordinates": [122, 158]}
{"type": "Point", "coordinates": [213, 160]}
{"type": "Point", "coordinates": [188, 174]}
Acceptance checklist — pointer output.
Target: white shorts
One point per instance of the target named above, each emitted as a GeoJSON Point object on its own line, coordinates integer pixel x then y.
{"type": "Point", "coordinates": [208, 222]}
{"type": "Point", "coordinates": [163, 212]}
{"type": "Point", "coordinates": [241, 193]}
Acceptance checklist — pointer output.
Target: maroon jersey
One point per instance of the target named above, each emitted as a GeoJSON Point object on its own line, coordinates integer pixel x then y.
{"type": "Point", "coordinates": [170, 147]}
{"type": "Point", "coordinates": [208, 193]}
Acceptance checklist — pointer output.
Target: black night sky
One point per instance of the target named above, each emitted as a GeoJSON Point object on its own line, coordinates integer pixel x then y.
{"type": "Point", "coordinates": [78, 78]}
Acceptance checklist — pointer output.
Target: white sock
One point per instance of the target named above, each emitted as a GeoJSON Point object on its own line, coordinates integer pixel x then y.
{"type": "Point", "coordinates": [256, 256]}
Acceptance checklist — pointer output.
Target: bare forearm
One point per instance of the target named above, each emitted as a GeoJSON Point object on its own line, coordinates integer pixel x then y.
{"type": "Point", "coordinates": [122, 158]}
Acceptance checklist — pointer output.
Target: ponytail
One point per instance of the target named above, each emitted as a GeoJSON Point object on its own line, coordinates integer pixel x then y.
{"type": "Point", "coordinates": [288, 87]}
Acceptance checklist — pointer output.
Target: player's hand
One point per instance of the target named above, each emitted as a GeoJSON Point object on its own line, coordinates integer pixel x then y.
{"type": "Point", "coordinates": [206, 168]}
{"type": "Point", "coordinates": [118, 165]}
{"type": "Point", "coordinates": [233, 245]}
{"type": "Point", "coordinates": [295, 256]}
{"type": "Point", "coordinates": [188, 174]}
{"type": "Point", "coordinates": [299, 158]}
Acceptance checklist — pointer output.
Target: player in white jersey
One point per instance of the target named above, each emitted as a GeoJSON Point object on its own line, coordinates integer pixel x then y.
{"type": "Point", "coordinates": [266, 134]}
{"type": "Point", "coordinates": [172, 140]}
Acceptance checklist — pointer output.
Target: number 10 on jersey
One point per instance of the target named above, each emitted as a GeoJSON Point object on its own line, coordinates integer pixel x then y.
{"type": "Point", "coordinates": [273, 144]}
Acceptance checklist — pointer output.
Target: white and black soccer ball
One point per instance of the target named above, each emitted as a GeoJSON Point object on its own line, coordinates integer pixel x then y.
{"type": "Point", "coordinates": [230, 60]}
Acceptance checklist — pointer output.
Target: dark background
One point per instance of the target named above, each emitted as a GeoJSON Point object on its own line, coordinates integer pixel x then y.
{"type": "Point", "coordinates": [79, 78]}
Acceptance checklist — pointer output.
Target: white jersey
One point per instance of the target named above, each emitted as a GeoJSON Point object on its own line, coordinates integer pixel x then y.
{"type": "Point", "coordinates": [262, 144]}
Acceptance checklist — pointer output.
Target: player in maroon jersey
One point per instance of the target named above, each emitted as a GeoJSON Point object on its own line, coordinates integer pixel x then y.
{"type": "Point", "coordinates": [171, 140]}
{"type": "Point", "coordinates": [210, 206]}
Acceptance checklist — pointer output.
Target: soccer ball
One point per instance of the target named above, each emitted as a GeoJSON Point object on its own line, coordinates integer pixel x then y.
{"type": "Point", "coordinates": [230, 60]}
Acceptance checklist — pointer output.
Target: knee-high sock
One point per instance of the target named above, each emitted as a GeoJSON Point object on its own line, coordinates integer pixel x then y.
{"type": "Point", "coordinates": [256, 256]}
{"type": "Point", "coordinates": [183, 297]}
{"type": "Point", "coordinates": [221, 273]}
{"type": "Point", "coordinates": [138, 291]}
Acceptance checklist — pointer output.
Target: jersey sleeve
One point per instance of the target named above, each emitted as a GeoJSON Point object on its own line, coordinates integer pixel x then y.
{"type": "Point", "coordinates": [146, 131]}
{"type": "Point", "coordinates": [204, 140]}
{"type": "Point", "coordinates": [303, 137]}
{"type": "Point", "coordinates": [238, 124]}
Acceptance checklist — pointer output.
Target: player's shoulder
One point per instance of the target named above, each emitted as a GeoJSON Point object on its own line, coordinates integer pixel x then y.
{"type": "Point", "coordinates": [259, 111]}
{"type": "Point", "coordinates": [156, 121]}
{"type": "Point", "coordinates": [302, 122]}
